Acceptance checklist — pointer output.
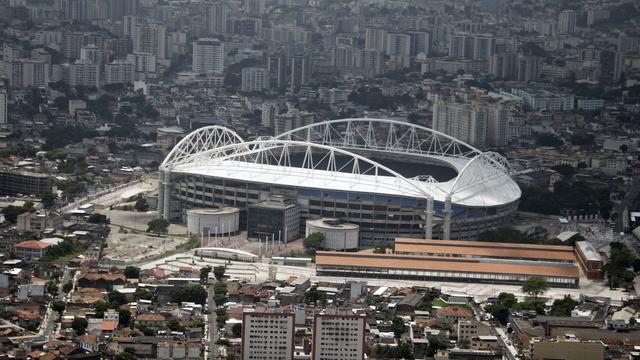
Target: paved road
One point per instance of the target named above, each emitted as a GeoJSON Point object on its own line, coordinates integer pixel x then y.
{"type": "Point", "coordinates": [50, 321]}
{"type": "Point", "coordinates": [213, 326]}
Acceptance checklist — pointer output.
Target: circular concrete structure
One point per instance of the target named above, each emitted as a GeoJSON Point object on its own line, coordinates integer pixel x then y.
{"type": "Point", "coordinates": [338, 235]}
{"type": "Point", "coordinates": [213, 221]}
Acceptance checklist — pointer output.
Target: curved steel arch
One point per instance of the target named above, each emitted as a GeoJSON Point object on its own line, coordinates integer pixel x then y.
{"type": "Point", "coordinates": [411, 140]}
{"type": "Point", "coordinates": [263, 152]}
{"type": "Point", "coordinates": [203, 139]}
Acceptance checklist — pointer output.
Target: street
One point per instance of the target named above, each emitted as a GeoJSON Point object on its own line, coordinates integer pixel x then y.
{"type": "Point", "coordinates": [213, 326]}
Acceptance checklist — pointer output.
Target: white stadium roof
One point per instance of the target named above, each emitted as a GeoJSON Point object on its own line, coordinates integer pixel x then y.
{"type": "Point", "coordinates": [483, 177]}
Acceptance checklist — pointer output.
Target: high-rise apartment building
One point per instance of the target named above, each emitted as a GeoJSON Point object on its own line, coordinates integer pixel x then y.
{"type": "Point", "coordinates": [3, 106]}
{"type": "Point", "coordinates": [461, 121]}
{"type": "Point", "coordinates": [72, 42]}
{"type": "Point", "coordinates": [23, 73]}
{"type": "Point", "coordinates": [269, 111]}
{"type": "Point", "coordinates": [420, 42]}
{"type": "Point", "coordinates": [254, 79]}
{"type": "Point", "coordinates": [119, 72]}
{"type": "Point", "coordinates": [84, 73]}
{"type": "Point", "coordinates": [300, 70]}
{"type": "Point", "coordinates": [150, 38]}
{"type": "Point", "coordinates": [217, 18]}
{"type": "Point", "coordinates": [208, 56]}
{"type": "Point", "coordinates": [255, 8]}
{"type": "Point", "coordinates": [338, 336]}
{"type": "Point", "coordinates": [276, 66]}
{"type": "Point", "coordinates": [375, 39]}
{"type": "Point", "coordinates": [567, 22]}
{"type": "Point", "coordinates": [268, 334]}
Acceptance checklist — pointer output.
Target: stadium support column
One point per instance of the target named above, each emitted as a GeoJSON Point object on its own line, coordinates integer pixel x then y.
{"type": "Point", "coordinates": [428, 227]}
{"type": "Point", "coordinates": [160, 192]}
{"type": "Point", "coordinates": [446, 232]}
{"type": "Point", "coordinates": [166, 193]}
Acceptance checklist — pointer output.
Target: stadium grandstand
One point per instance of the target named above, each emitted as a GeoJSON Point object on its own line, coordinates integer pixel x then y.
{"type": "Point", "coordinates": [392, 178]}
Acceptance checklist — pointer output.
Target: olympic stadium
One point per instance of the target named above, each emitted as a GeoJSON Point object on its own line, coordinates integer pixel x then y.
{"type": "Point", "coordinates": [392, 178]}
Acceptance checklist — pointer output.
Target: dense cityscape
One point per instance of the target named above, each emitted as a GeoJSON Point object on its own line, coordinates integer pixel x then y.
{"type": "Point", "coordinates": [320, 179]}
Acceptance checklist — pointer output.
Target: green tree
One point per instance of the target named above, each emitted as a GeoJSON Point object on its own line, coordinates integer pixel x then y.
{"type": "Point", "coordinates": [221, 316]}
{"type": "Point", "coordinates": [158, 226]}
{"type": "Point", "coordinates": [59, 306]}
{"type": "Point", "coordinates": [97, 218]}
{"type": "Point", "coordinates": [397, 326]}
{"type": "Point", "coordinates": [502, 234]}
{"type": "Point", "coordinates": [563, 307]}
{"type": "Point", "coordinates": [535, 286]}
{"type": "Point", "coordinates": [313, 243]}
{"type": "Point", "coordinates": [79, 325]}
{"type": "Point", "coordinates": [48, 200]}
{"type": "Point", "coordinates": [68, 286]}
{"type": "Point", "coordinates": [499, 311]}
{"type": "Point", "coordinates": [52, 289]}
{"type": "Point", "coordinates": [194, 293]}
{"type": "Point", "coordinates": [218, 272]}
{"type": "Point", "coordinates": [142, 294]}
{"type": "Point", "coordinates": [507, 299]}
{"type": "Point", "coordinates": [142, 205]}
{"type": "Point", "coordinates": [116, 299]}
{"type": "Point", "coordinates": [204, 274]}
{"type": "Point", "coordinates": [236, 330]}
{"type": "Point", "coordinates": [174, 325]}
{"type": "Point", "coordinates": [99, 308]}
{"type": "Point", "coordinates": [132, 272]}
{"type": "Point", "coordinates": [124, 317]}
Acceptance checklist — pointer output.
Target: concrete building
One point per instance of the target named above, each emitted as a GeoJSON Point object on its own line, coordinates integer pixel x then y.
{"type": "Point", "coordinates": [84, 73]}
{"type": "Point", "coordinates": [275, 218]}
{"type": "Point", "coordinates": [13, 182]}
{"type": "Point", "coordinates": [337, 235]}
{"type": "Point", "coordinates": [3, 106]}
{"type": "Point", "coordinates": [443, 268]}
{"type": "Point", "coordinates": [338, 336]}
{"type": "Point", "coordinates": [268, 334]}
{"type": "Point", "coordinates": [568, 350]}
{"type": "Point", "coordinates": [590, 260]}
{"type": "Point", "coordinates": [38, 222]}
{"type": "Point", "coordinates": [150, 38]}
{"type": "Point", "coordinates": [567, 22]}
{"type": "Point", "coordinates": [218, 221]}
{"type": "Point", "coordinates": [292, 119]}
{"type": "Point", "coordinates": [269, 111]}
{"type": "Point", "coordinates": [462, 121]}
{"type": "Point", "coordinates": [119, 72]}
{"type": "Point", "coordinates": [208, 56]}
{"type": "Point", "coordinates": [255, 79]}
{"type": "Point", "coordinates": [300, 70]}
{"type": "Point", "coordinates": [375, 39]}
{"type": "Point", "coordinates": [217, 18]}
{"type": "Point", "coordinates": [254, 8]}
{"type": "Point", "coordinates": [31, 250]}
{"type": "Point", "coordinates": [23, 73]}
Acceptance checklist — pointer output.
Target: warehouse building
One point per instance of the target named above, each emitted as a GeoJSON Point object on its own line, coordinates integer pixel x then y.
{"type": "Point", "coordinates": [483, 250]}
{"type": "Point", "coordinates": [455, 260]}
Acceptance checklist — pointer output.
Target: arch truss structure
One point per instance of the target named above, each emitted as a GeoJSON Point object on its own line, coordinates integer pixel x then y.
{"type": "Point", "coordinates": [382, 135]}
{"type": "Point", "coordinates": [332, 155]}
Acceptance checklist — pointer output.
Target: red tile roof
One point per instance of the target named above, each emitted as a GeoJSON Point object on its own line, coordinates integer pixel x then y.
{"type": "Point", "coordinates": [32, 244]}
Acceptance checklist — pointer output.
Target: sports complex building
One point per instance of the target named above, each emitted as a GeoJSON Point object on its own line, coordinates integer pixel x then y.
{"type": "Point", "coordinates": [465, 261]}
{"type": "Point", "coordinates": [392, 178]}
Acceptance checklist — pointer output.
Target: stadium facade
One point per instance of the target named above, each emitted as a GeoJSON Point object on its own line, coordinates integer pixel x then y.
{"type": "Point", "coordinates": [332, 169]}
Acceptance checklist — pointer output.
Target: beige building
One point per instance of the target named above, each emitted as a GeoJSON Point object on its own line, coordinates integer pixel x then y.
{"type": "Point", "coordinates": [338, 336]}
{"type": "Point", "coordinates": [268, 334]}
{"type": "Point", "coordinates": [567, 350]}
